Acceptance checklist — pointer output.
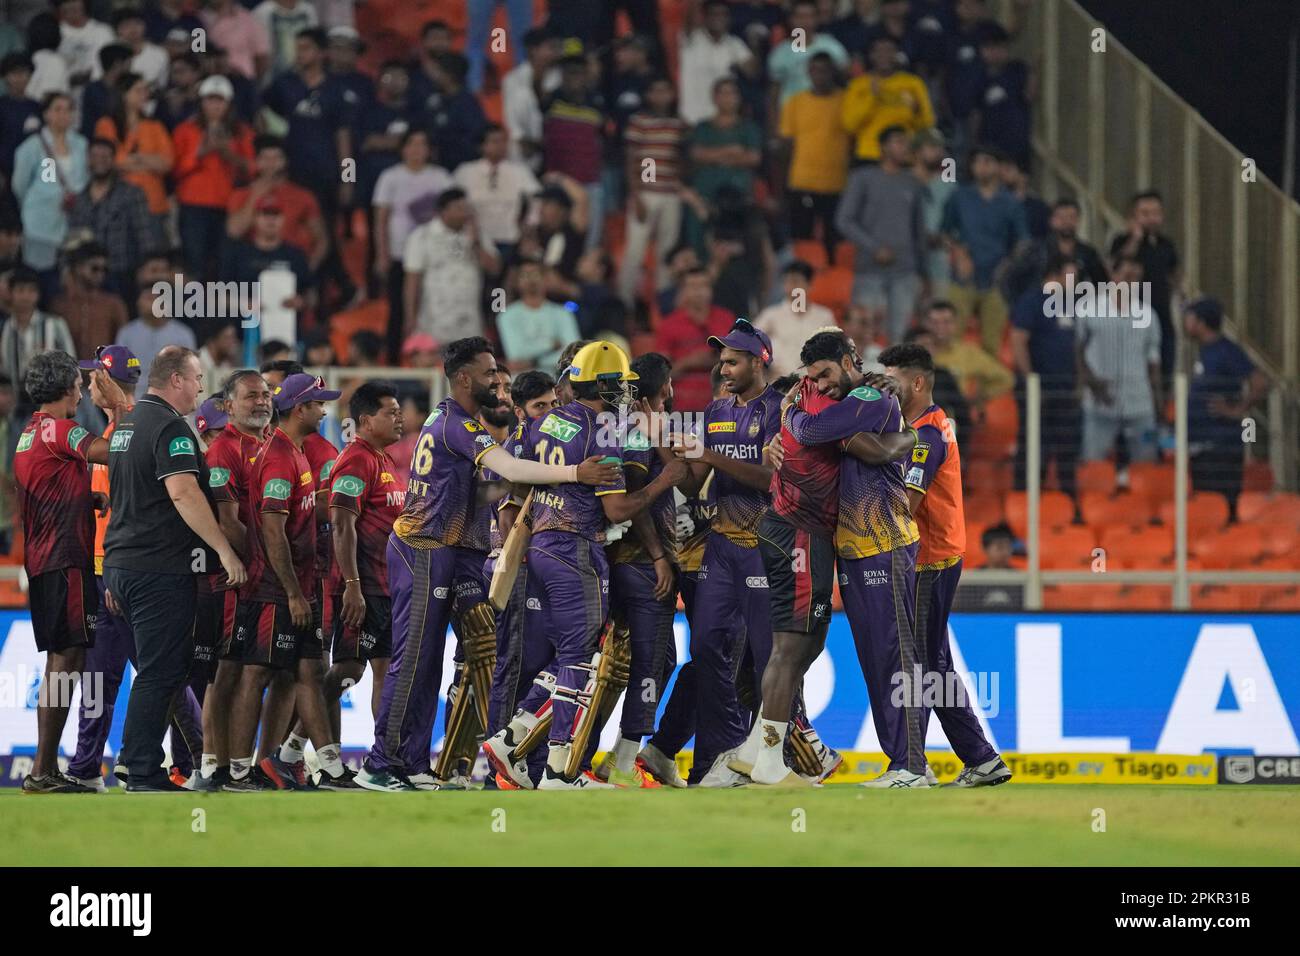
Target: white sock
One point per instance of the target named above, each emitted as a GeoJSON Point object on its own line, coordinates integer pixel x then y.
{"type": "Point", "coordinates": [329, 759]}
{"type": "Point", "coordinates": [770, 765]}
{"type": "Point", "coordinates": [208, 765]}
{"type": "Point", "coordinates": [291, 750]}
{"type": "Point", "coordinates": [519, 726]}
{"type": "Point", "coordinates": [557, 757]}
{"type": "Point", "coordinates": [239, 767]}
{"type": "Point", "coordinates": [625, 752]}
{"type": "Point", "coordinates": [748, 751]}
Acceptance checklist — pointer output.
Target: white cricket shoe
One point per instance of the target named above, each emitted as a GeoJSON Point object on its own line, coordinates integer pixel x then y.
{"type": "Point", "coordinates": [721, 776]}
{"type": "Point", "coordinates": [930, 778]}
{"type": "Point", "coordinates": [426, 781]}
{"type": "Point", "coordinates": [661, 766]}
{"type": "Point", "coordinates": [898, 780]}
{"type": "Point", "coordinates": [988, 774]}
{"type": "Point", "coordinates": [551, 780]}
{"type": "Point", "coordinates": [498, 754]}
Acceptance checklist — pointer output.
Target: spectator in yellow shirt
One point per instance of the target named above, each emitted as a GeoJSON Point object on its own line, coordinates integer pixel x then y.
{"type": "Point", "coordinates": [818, 151]}
{"type": "Point", "coordinates": [884, 97]}
{"type": "Point", "coordinates": [979, 375]}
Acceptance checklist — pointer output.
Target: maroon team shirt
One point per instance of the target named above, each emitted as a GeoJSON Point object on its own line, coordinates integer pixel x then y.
{"type": "Point", "coordinates": [806, 488]}
{"type": "Point", "coordinates": [230, 458]}
{"type": "Point", "coordinates": [363, 482]}
{"type": "Point", "coordinates": [281, 482]}
{"type": "Point", "coordinates": [53, 477]}
{"type": "Point", "coordinates": [321, 455]}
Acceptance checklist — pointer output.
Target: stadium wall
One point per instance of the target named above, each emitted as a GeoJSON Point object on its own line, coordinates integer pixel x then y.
{"type": "Point", "coordinates": [1141, 698]}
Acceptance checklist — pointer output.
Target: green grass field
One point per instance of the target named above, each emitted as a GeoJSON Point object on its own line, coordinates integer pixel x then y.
{"type": "Point", "coordinates": [838, 825]}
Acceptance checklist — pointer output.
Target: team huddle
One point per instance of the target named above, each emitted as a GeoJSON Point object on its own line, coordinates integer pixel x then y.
{"type": "Point", "coordinates": [553, 532]}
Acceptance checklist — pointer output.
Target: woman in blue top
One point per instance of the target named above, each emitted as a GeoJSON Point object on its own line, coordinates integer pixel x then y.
{"type": "Point", "coordinates": [49, 171]}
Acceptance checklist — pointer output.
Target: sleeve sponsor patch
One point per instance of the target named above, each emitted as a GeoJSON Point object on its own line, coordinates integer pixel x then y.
{"type": "Point", "coordinates": [218, 477]}
{"type": "Point", "coordinates": [915, 476]}
{"type": "Point", "coordinates": [349, 485]}
{"type": "Point", "coordinates": [920, 453]}
{"type": "Point", "coordinates": [325, 470]}
{"type": "Point", "coordinates": [865, 393]}
{"type": "Point", "coordinates": [559, 428]}
{"type": "Point", "coordinates": [277, 489]}
{"type": "Point", "coordinates": [180, 446]}
{"type": "Point", "coordinates": [76, 436]}
{"type": "Point", "coordinates": [26, 441]}
{"type": "Point", "coordinates": [485, 440]}
{"type": "Point", "coordinates": [433, 416]}
{"type": "Point", "coordinates": [715, 427]}
{"type": "Point", "coordinates": [637, 441]}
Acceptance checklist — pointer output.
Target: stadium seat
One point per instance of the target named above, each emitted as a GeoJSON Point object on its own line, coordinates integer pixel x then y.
{"type": "Point", "coordinates": [996, 433]}
{"type": "Point", "coordinates": [1276, 541]}
{"type": "Point", "coordinates": [1253, 506]}
{"type": "Point", "coordinates": [1096, 476]}
{"type": "Point", "coordinates": [986, 476]}
{"type": "Point", "coordinates": [1152, 480]}
{"type": "Point", "coordinates": [372, 316]}
{"type": "Point", "coordinates": [833, 288]}
{"type": "Point", "coordinates": [1148, 549]}
{"type": "Point", "coordinates": [1081, 597]}
{"type": "Point", "coordinates": [1232, 549]}
{"type": "Point", "coordinates": [811, 251]}
{"type": "Point", "coordinates": [844, 254]}
{"type": "Point", "coordinates": [1258, 476]}
{"type": "Point", "coordinates": [1207, 511]}
{"type": "Point", "coordinates": [1067, 549]}
{"type": "Point", "coordinates": [1101, 509]}
{"type": "Point", "coordinates": [1056, 511]}
{"type": "Point", "coordinates": [1147, 597]}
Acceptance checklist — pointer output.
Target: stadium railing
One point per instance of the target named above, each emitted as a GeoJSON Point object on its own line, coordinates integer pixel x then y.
{"type": "Point", "coordinates": [1106, 127]}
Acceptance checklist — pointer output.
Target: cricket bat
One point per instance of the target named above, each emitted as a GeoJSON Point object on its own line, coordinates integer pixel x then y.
{"type": "Point", "coordinates": [511, 556]}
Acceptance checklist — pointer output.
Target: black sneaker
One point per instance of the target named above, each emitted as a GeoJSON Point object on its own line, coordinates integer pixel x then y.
{"type": "Point", "coordinates": [52, 783]}
{"type": "Point", "coordinates": [158, 783]}
{"type": "Point", "coordinates": [283, 776]}
{"type": "Point", "coordinates": [344, 781]}
{"type": "Point", "coordinates": [252, 782]}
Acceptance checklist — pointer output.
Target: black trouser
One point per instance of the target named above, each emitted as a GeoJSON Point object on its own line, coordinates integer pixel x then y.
{"type": "Point", "coordinates": [159, 608]}
{"type": "Point", "coordinates": [1219, 468]}
{"type": "Point", "coordinates": [805, 209]}
{"type": "Point", "coordinates": [396, 310]}
{"type": "Point", "coordinates": [1062, 433]}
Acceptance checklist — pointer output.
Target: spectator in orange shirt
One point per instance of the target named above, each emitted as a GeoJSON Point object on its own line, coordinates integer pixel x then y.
{"type": "Point", "coordinates": [684, 338]}
{"type": "Point", "coordinates": [144, 147]}
{"type": "Point", "coordinates": [213, 151]}
{"type": "Point", "coordinates": [304, 228]}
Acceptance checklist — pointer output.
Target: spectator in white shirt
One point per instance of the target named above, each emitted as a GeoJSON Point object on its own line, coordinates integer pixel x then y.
{"type": "Point", "coordinates": [49, 68]}
{"type": "Point", "coordinates": [147, 59]}
{"type": "Point", "coordinates": [708, 52]}
{"type": "Point", "coordinates": [792, 321]}
{"type": "Point", "coordinates": [498, 189]}
{"type": "Point", "coordinates": [445, 261]}
{"type": "Point", "coordinates": [282, 20]}
{"type": "Point", "coordinates": [406, 196]}
{"type": "Point", "coordinates": [82, 38]}
{"type": "Point", "coordinates": [520, 95]}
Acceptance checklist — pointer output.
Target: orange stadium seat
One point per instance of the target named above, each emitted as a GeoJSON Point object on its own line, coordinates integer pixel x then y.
{"type": "Point", "coordinates": [1152, 480]}
{"type": "Point", "coordinates": [1253, 506]}
{"type": "Point", "coordinates": [1258, 476]}
{"type": "Point", "coordinates": [1098, 476]}
{"type": "Point", "coordinates": [1207, 511]}
{"type": "Point", "coordinates": [1284, 507]}
{"type": "Point", "coordinates": [996, 433]}
{"type": "Point", "coordinates": [1101, 509]}
{"type": "Point", "coordinates": [372, 316]}
{"type": "Point", "coordinates": [845, 253]}
{"type": "Point", "coordinates": [1278, 541]}
{"type": "Point", "coordinates": [811, 251]}
{"type": "Point", "coordinates": [833, 288]}
{"type": "Point", "coordinates": [1081, 597]}
{"type": "Point", "coordinates": [1056, 511]}
{"type": "Point", "coordinates": [986, 476]}
{"type": "Point", "coordinates": [1147, 597]}
{"type": "Point", "coordinates": [1067, 549]}
{"type": "Point", "coordinates": [1148, 549]}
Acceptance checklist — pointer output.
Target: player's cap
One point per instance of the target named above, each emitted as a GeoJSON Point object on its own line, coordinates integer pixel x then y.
{"type": "Point", "coordinates": [418, 342]}
{"type": "Point", "coordinates": [301, 387]}
{"type": "Point", "coordinates": [217, 85]}
{"type": "Point", "coordinates": [743, 337]}
{"type": "Point", "coordinates": [601, 361]}
{"type": "Point", "coordinates": [346, 36]}
{"type": "Point", "coordinates": [209, 417]}
{"type": "Point", "coordinates": [117, 360]}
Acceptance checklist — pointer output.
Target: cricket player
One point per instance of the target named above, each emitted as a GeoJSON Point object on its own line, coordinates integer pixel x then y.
{"type": "Point", "coordinates": [876, 543]}
{"type": "Point", "coordinates": [933, 481]}
{"type": "Point", "coordinates": [52, 472]}
{"type": "Point", "coordinates": [643, 573]}
{"type": "Point", "coordinates": [364, 501]}
{"type": "Point", "coordinates": [247, 410]}
{"type": "Point", "coordinates": [430, 571]}
{"type": "Point", "coordinates": [279, 613]}
{"type": "Point", "coordinates": [731, 584]}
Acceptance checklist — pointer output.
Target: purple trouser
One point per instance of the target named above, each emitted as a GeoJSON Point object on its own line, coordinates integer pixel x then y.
{"type": "Point", "coordinates": [879, 594]}
{"type": "Point", "coordinates": [731, 600]}
{"type": "Point", "coordinates": [935, 590]}
{"type": "Point", "coordinates": [650, 622]}
{"type": "Point", "coordinates": [424, 586]}
{"type": "Point", "coordinates": [569, 574]}
{"type": "Point", "coordinates": [114, 646]}
{"type": "Point", "coordinates": [506, 686]}
{"type": "Point", "coordinates": [677, 725]}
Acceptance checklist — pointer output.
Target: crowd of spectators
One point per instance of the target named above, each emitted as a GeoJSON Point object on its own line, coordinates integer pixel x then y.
{"type": "Point", "coordinates": [801, 162]}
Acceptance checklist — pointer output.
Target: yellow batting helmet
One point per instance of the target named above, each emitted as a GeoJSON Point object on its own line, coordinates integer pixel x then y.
{"type": "Point", "coordinates": [605, 366]}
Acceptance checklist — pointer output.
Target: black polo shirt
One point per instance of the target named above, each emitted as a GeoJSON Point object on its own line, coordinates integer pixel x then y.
{"type": "Point", "coordinates": [145, 531]}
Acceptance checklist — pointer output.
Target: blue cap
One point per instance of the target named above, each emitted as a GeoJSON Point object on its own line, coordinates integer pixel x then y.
{"type": "Point", "coordinates": [302, 387]}
{"type": "Point", "coordinates": [210, 417]}
{"type": "Point", "coordinates": [743, 337]}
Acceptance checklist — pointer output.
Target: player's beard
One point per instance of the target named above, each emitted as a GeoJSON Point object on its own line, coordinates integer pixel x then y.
{"type": "Point", "coordinates": [485, 397]}
{"type": "Point", "coordinates": [502, 416]}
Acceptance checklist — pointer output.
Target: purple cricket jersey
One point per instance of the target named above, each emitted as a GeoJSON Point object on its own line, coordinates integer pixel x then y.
{"type": "Point", "coordinates": [569, 435]}
{"type": "Point", "coordinates": [640, 456]}
{"type": "Point", "coordinates": [440, 499]}
{"type": "Point", "coordinates": [874, 514]}
{"type": "Point", "coordinates": [741, 432]}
